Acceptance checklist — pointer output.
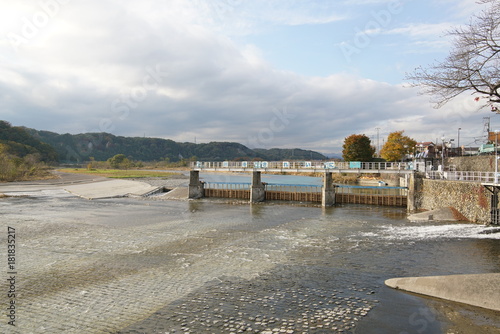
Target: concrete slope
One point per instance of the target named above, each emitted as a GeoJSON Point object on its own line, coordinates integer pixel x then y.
{"type": "Point", "coordinates": [441, 214]}
{"type": "Point", "coordinates": [481, 290]}
{"type": "Point", "coordinates": [110, 189]}
{"type": "Point", "coordinates": [177, 193]}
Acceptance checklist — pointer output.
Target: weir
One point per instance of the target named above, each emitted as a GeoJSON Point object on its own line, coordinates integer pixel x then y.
{"type": "Point", "coordinates": [328, 194]}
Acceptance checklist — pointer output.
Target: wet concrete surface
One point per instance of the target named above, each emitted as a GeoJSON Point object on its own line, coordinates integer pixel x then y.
{"type": "Point", "coordinates": [135, 265]}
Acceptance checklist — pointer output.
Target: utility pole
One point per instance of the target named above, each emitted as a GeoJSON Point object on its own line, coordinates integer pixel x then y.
{"type": "Point", "coordinates": [486, 127]}
{"type": "Point", "coordinates": [378, 146]}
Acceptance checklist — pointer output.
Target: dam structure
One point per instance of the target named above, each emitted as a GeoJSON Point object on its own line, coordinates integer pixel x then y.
{"type": "Point", "coordinates": [327, 194]}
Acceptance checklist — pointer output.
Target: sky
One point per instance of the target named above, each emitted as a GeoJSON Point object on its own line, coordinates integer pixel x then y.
{"type": "Point", "coordinates": [283, 73]}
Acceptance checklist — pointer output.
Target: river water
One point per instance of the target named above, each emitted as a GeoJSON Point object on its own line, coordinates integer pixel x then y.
{"type": "Point", "coordinates": [337, 260]}
{"type": "Point", "coordinates": [335, 263]}
{"type": "Point", "coordinates": [289, 268]}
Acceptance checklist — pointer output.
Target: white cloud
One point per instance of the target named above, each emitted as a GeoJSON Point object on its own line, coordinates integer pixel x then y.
{"type": "Point", "coordinates": [433, 30]}
{"type": "Point", "coordinates": [164, 68]}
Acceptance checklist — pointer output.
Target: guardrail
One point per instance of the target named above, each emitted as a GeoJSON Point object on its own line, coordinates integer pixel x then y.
{"type": "Point", "coordinates": [483, 177]}
{"type": "Point", "coordinates": [301, 165]}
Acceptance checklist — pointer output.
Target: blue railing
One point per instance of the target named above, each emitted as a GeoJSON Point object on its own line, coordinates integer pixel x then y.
{"type": "Point", "coordinates": [312, 165]}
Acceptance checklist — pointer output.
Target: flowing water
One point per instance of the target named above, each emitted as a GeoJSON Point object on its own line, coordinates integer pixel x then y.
{"type": "Point", "coordinates": [270, 267]}
{"type": "Point", "coordinates": [332, 279]}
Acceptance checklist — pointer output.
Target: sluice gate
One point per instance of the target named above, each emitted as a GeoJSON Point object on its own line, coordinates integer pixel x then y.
{"type": "Point", "coordinates": [382, 196]}
{"type": "Point", "coordinates": [381, 200]}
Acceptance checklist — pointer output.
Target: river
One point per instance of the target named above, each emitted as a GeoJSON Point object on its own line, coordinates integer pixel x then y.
{"type": "Point", "coordinates": [212, 266]}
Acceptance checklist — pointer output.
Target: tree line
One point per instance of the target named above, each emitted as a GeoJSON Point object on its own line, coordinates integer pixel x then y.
{"type": "Point", "coordinates": [358, 147]}
{"type": "Point", "coordinates": [22, 157]}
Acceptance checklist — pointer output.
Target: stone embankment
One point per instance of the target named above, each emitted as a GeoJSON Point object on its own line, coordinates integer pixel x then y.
{"type": "Point", "coordinates": [482, 163]}
{"type": "Point", "coordinates": [468, 200]}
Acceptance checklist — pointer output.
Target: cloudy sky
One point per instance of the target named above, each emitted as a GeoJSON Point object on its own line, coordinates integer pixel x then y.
{"type": "Point", "coordinates": [283, 73]}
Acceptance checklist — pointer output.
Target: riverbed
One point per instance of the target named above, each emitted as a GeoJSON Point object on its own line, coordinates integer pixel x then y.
{"type": "Point", "coordinates": [135, 265]}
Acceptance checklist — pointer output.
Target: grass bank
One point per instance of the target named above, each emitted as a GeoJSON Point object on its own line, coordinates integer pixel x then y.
{"type": "Point", "coordinates": [117, 173]}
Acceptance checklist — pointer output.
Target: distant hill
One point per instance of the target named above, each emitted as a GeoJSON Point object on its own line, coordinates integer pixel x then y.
{"type": "Point", "coordinates": [19, 142]}
{"type": "Point", "coordinates": [102, 146]}
{"type": "Point", "coordinates": [288, 154]}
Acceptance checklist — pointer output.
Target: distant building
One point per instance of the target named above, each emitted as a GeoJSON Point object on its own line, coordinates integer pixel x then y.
{"type": "Point", "coordinates": [494, 137]}
{"type": "Point", "coordinates": [467, 151]}
{"type": "Point", "coordinates": [425, 150]}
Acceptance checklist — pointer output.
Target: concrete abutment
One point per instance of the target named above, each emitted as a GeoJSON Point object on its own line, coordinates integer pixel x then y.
{"type": "Point", "coordinates": [196, 187]}
{"type": "Point", "coordinates": [328, 191]}
{"type": "Point", "coordinates": [258, 189]}
{"type": "Point", "coordinates": [468, 200]}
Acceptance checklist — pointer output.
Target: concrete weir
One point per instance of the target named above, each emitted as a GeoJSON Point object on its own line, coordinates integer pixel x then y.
{"type": "Point", "coordinates": [476, 289]}
{"type": "Point", "coordinates": [258, 188]}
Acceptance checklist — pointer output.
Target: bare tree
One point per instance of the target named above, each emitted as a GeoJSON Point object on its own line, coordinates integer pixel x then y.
{"type": "Point", "coordinates": [472, 65]}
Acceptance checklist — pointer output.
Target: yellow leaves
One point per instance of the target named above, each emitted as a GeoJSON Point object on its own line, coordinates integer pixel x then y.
{"type": "Point", "coordinates": [397, 146]}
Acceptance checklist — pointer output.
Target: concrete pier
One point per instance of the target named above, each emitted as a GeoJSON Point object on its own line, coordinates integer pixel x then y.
{"type": "Point", "coordinates": [196, 189]}
{"type": "Point", "coordinates": [414, 187]}
{"type": "Point", "coordinates": [328, 191]}
{"type": "Point", "coordinates": [257, 191]}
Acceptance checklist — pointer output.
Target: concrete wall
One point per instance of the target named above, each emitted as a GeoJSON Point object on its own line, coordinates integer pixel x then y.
{"type": "Point", "coordinates": [470, 200]}
{"type": "Point", "coordinates": [483, 163]}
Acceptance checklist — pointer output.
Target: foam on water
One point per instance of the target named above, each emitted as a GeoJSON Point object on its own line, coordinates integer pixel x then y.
{"type": "Point", "coordinates": [451, 231]}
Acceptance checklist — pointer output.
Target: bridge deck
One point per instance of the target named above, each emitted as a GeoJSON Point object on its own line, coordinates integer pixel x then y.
{"type": "Point", "coordinates": [306, 170]}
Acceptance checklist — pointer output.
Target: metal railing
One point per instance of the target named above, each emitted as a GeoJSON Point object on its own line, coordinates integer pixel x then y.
{"type": "Point", "coordinates": [300, 165]}
{"type": "Point", "coordinates": [482, 177]}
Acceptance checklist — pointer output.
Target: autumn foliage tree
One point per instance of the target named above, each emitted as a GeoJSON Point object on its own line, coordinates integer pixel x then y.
{"type": "Point", "coordinates": [357, 148]}
{"type": "Point", "coordinates": [397, 146]}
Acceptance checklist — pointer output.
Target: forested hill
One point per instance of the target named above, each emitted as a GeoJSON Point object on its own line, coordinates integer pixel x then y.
{"type": "Point", "coordinates": [102, 146]}
{"type": "Point", "coordinates": [17, 141]}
